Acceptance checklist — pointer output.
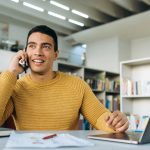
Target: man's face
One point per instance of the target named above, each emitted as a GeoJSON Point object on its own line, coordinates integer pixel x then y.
{"type": "Point", "coordinates": [41, 53]}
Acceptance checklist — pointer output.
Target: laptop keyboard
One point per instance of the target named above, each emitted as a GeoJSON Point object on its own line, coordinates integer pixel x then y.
{"type": "Point", "coordinates": [135, 135]}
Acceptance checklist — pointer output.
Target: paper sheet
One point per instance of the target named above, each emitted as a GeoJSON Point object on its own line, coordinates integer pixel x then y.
{"type": "Point", "coordinates": [34, 140]}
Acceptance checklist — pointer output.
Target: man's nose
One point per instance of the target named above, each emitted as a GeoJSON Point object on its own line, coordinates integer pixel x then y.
{"type": "Point", "coordinates": [38, 54]}
{"type": "Point", "coordinates": [38, 51]}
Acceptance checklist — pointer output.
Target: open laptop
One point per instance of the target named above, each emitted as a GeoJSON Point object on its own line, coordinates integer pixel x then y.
{"type": "Point", "coordinates": [128, 137]}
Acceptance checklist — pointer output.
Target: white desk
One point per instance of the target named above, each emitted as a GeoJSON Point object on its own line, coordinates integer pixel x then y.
{"type": "Point", "coordinates": [99, 145]}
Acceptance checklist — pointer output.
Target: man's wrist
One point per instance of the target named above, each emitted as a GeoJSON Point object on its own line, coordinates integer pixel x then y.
{"type": "Point", "coordinates": [14, 71]}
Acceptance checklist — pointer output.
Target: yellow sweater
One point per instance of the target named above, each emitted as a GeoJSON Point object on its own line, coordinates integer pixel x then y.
{"type": "Point", "coordinates": [51, 105]}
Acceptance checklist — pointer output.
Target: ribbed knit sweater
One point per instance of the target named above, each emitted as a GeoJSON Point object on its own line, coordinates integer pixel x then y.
{"type": "Point", "coordinates": [55, 104]}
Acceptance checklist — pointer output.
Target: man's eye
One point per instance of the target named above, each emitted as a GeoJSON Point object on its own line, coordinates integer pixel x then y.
{"type": "Point", "coordinates": [31, 46]}
{"type": "Point", "coordinates": [47, 46]}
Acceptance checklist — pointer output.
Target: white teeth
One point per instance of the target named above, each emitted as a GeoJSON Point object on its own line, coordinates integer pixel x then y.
{"type": "Point", "coordinates": [37, 60]}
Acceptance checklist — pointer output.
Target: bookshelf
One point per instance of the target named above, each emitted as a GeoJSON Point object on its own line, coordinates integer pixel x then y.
{"type": "Point", "coordinates": [96, 80]}
{"type": "Point", "coordinates": [135, 86]}
{"type": "Point", "coordinates": [135, 91]}
{"type": "Point", "coordinates": [112, 91]}
{"type": "Point", "coordinates": [105, 85]}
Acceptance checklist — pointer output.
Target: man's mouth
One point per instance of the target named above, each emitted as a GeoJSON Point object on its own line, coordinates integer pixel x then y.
{"type": "Point", "coordinates": [38, 60]}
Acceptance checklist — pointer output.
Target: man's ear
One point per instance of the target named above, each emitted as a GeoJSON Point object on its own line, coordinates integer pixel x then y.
{"type": "Point", "coordinates": [56, 54]}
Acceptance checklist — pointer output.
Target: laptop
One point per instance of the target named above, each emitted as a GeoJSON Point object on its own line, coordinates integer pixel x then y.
{"type": "Point", "coordinates": [127, 137]}
{"type": "Point", "coordinates": [5, 132]}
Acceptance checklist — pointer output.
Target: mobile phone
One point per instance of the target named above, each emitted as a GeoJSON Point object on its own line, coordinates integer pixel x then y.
{"type": "Point", "coordinates": [23, 63]}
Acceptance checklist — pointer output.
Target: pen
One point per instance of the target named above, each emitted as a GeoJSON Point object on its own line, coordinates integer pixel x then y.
{"type": "Point", "coordinates": [49, 136]}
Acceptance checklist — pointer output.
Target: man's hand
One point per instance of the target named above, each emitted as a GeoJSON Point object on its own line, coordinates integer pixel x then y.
{"type": "Point", "coordinates": [14, 65]}
{"type": "Point", "coordinates": [118, 121]}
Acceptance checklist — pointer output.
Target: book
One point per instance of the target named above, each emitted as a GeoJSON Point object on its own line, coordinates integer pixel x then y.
{"type": "Point", "coordinates": [5, 131]}
{"type": "Point", "coordinates": [109, 102]}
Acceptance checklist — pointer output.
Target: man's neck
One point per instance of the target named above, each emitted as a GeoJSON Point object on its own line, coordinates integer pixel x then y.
{"type": "Point", "coordinates": [42, 77]}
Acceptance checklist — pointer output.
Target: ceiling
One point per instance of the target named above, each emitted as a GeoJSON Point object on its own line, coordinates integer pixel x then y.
{"type": "Point", "coordinates": [130, 28]}
{"type": "Point", "coordinates": [100, 12]}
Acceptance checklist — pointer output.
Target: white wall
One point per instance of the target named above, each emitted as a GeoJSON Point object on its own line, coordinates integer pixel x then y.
{"type": "Point", "coordinates": [5, 58]}
{"type": "Point", "coordinates": [70, 53]}
{"type": "Point", "coordinates": [140, 48]}
{"type": "Point", "coordinates": [76, 54]}
{"type": "Point", "coordinates": [107, 54]}
{"type": "Point", "coordinates": [124, 49]}
{"type": "Point", "coordinates": [17, 32]}
{"type": "Point", "coordinates": [103, 54]}
{"type": "Point", "coordinates": [64, 48]}
{"type": "Point", "coordinates": [3, 30]}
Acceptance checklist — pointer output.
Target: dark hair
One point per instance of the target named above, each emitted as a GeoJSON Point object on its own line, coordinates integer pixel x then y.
{"type": "Point", "coordinates": [45, 30]}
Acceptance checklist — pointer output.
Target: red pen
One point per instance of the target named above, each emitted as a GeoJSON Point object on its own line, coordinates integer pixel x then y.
{"type": "Point", "coordinates": [49, 136]}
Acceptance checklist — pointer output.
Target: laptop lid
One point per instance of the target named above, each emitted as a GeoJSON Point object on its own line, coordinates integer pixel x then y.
{"type": "Point", "coordinates": [5, 132]}
{"type": "Point", "coordinates": [145, 138]}
{"type": "Point", "coordinates": [127, 137]}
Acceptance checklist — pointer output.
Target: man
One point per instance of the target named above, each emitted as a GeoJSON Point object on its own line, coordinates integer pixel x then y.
{"type": "Point", "coordinates": [48, 100]}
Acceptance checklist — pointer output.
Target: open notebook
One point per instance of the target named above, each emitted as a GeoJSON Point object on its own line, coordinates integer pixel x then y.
{"type": "Point", "coordinates": [5, 132]}
{"type": "Point", "coordinates": [128, 137]}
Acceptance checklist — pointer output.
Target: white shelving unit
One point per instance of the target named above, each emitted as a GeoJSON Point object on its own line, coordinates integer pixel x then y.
{"type": "Point", "coordinates": [135, 86]}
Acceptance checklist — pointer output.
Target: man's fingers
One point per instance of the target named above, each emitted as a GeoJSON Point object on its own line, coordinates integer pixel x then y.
{"type": "Point", "coordinates": [112, 117]}
{"type": "Point", "coordinates": [121, 123]}
{"type": "Point", "coordinates": [123, 128]}
{"type": "Point", "coordinates": [22, 55]}
{"type": "Point", "coordinates": [14, 65]}
{"type": "Point", "coordinates": [116, 120]}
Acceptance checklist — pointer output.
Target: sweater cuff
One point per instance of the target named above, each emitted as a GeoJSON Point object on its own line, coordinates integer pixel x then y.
{"type": "Point", "coordinates": [8, 76]}
{"type": "Point", "coordinates": [101, 123]}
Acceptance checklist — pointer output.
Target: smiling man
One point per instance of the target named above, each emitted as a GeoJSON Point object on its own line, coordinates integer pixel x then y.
{"type": "Point", "coordinates": [49, 100]}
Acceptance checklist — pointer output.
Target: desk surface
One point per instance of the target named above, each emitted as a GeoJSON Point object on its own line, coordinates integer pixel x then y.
{"type": "Point", "coordinates": [103, 145]}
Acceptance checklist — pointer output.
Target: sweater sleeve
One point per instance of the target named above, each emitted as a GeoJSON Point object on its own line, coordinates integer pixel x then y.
{"type": "Point", "coordinates": [7, 84]}
{"type": "Point", "coordinates": [94, 111]}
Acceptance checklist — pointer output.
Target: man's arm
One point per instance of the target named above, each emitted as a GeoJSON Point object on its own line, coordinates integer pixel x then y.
{"type": "Point", "coordinates": [7, 112]}
{"type": "Point", "coordinates": [7, 84]}
{"type": "Point", "coordinates": [100, 117]}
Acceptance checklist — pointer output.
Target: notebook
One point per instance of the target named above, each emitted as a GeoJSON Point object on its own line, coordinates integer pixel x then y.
{"type": "Point", "coordinates": [5, 132]}
{"type": "Point", "coordinates": [127, 137]}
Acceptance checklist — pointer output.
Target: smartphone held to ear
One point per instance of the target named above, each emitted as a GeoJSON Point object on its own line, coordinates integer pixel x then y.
{"type": "Point", "coordinates": [23, 64]}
